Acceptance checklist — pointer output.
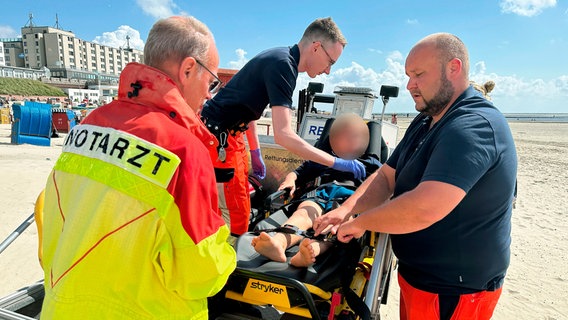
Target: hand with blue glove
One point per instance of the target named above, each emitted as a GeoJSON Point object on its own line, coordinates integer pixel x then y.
{"type": "Point", "coordinates": [353, 166]}
{"type": "Point", "coordinates": [258, 167]}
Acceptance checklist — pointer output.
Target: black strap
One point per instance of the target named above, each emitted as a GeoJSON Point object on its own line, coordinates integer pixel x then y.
{"type": "Point", "coordinates": [356, 304]}
{"type": "Point", "coordinates": [353, 300]}
{"type": "Point", "coordinates": [290, 229]}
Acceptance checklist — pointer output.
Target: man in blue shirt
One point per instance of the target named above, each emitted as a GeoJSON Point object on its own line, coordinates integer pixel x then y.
{"type": "Point", "coordinates": [445, 195]}
{"type": "Point", "coordinates": [268, 79]}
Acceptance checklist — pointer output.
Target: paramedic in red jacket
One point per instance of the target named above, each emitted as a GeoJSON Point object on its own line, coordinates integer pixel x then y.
{"type": "Point", "coordinates": [132, 229]}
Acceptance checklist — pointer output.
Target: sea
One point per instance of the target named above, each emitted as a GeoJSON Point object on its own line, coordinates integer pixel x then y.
{"type": "Point", "coordinates": [537, 117]}
{"type": "Point", "coordinates": [511, 117]}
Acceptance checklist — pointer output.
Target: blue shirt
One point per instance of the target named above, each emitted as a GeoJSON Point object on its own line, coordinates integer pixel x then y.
{"type": "Point", "coordinates": [267, 79]}
{"type": "Point", "coordinates": [470, 147]}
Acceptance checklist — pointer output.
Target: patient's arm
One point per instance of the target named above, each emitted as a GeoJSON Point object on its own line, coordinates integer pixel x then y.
{"type": "Point", "coordinates": [289, 182]}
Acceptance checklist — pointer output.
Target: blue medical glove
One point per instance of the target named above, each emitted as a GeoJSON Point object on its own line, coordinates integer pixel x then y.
{"type": "Point", "coordinates": [353, 166]}
{"type": "Point", "coordinates": [258, 167]}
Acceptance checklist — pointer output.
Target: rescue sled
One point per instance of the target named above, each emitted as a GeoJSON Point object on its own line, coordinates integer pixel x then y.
{"type": "Point", "coordinates": [348, 281]}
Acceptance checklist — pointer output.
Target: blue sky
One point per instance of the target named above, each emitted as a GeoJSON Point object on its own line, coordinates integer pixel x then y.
{"type": "Point", "coordinates": [522, 45]}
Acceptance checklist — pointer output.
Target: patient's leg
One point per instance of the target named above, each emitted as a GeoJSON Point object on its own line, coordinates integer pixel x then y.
{"type": "Point", "coordinates": [274, 247]}
{"type": "Point", "coordinates": [309, 250]}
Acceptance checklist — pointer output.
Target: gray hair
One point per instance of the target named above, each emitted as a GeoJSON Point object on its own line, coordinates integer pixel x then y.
{"type": "Point", "coordinates": [176, 38]}
{"type": "Point", "coordinates": [323, 29]}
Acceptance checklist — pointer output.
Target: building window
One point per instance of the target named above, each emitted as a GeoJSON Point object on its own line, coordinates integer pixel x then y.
{"type": "Point", "coordinates": [6, 50]}
{"type": "Point", "coordinates": [36, 36]}
{"type": "Point", "coordinates": [37, 43]}
{"type": "Point", "coordinates": [37, 50]}
{"type": "Point", "coordinates": [24, 36]}
{"type": "Point", "coordinates": [25, 50]}
{"type": "Point", "coordinates": [25, 44]}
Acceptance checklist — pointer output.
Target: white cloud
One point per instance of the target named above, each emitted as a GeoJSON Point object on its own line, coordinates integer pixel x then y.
{"type": "Point", "coordinates": [160, 8]}
{"type": "Point", "coordinates": [412, 21]}
{"type": "Point", "coordinates": [358, 75]}
{"type": "Point", "coordinates": [395, 55]}
{"type": "Point", "coordinates": [511, 94]}
{"type": "Point", "coordinates": [8, 32]}
{"type": "Point", "coordinates": [241, 59]}
{"type": "Point", "coordinates": [377, 51]}
{"type": "Point", "coordinates": [527, 8]}
{"type": "Point", "coordinates": [117, 38]}
{"type": "Point", "coordinates": [516, 94]}
{"type": "Point", "coordinates": [479, 68]}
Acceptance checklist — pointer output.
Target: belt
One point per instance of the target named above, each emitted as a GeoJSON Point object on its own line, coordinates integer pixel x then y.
{"type": "Point", "coordinates": [216, 127]}
{"type": "Point", "coordinates": [221, 133]}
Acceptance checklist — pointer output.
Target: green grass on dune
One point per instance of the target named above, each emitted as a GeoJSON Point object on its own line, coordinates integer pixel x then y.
{"type": "Point", "coordinates": [28, 87]}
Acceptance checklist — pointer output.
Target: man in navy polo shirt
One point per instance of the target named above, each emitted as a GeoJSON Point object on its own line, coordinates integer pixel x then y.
{"type": "Point", "coordinates": [445, 195]}
{"type": "Point", "coordinates": [268, 79]}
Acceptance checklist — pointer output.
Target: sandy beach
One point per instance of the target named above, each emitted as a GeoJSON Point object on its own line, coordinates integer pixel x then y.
{"type": "Point", "coordinates": [536, 286]}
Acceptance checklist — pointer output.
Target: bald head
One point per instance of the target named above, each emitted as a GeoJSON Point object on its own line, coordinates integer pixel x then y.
{"type": "Point", "coordinates": [437, 67]}
{"type": "Point", "coordinates": [447, 47]}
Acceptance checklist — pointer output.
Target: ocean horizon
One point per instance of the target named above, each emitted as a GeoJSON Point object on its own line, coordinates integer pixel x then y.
{"type": "Point", "coordinates": [511, 117]}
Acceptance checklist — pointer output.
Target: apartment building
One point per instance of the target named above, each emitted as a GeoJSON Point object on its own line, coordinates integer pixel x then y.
{"type": "Point", "coordinates": [70, 57]}
{"type": "Point", "coordinates": [12, 52]}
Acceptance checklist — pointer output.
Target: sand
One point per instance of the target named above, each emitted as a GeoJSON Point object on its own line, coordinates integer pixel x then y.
{"type": "Point", "coordinates": [536, 286]}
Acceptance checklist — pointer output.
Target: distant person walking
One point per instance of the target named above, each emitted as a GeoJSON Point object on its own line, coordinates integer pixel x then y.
{"type": "Point", "coordinates": [131, 226]}
{"type": "Point", "coordinates": [445, 195]}
{"type": "Point", "coordinates": [394, 119]}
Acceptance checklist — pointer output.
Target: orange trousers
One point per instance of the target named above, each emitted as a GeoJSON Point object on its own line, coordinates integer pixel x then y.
{"type": "Point", "coordinates": [234, 197]}
{"type": "Point", "coordinates": [418, 304]}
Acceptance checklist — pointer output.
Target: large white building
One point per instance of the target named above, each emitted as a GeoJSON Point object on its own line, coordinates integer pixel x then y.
{"type": "Point", "coordinates": [70, 57]}
{"type": "Point", "coordinates": [78, 96]}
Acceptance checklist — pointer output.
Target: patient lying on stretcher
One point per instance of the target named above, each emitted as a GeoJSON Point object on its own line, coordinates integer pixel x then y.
{"type": "Point", "coordinates": [349, 138]}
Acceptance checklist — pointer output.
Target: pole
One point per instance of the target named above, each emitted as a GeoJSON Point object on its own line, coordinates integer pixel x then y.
{"type": "Point", "coordinates": [16, 233]}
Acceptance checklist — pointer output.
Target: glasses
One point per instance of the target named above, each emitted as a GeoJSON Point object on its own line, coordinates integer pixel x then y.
{"type": "Point", "coordinates": [331, 61]}
{"type": "Point", "coordinates": [216, 84]}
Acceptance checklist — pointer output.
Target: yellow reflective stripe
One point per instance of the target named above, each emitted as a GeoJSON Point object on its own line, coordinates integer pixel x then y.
{"type": "Point", "coordinates": [124, 150]}
{"type": "Point", "coordinates": [112, 176]}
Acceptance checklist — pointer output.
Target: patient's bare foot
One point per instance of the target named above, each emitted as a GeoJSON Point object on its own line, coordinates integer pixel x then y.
{"type": "Point", "coordinates": [306, 256]}
{"type": "Point", "coordinates": [269, 247]}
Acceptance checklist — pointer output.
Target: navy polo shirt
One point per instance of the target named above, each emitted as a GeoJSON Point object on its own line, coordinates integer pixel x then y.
{"type": "Point", "coordinates": [472, 148]}
{"type": "Point", "coordinates": [267, 79]}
